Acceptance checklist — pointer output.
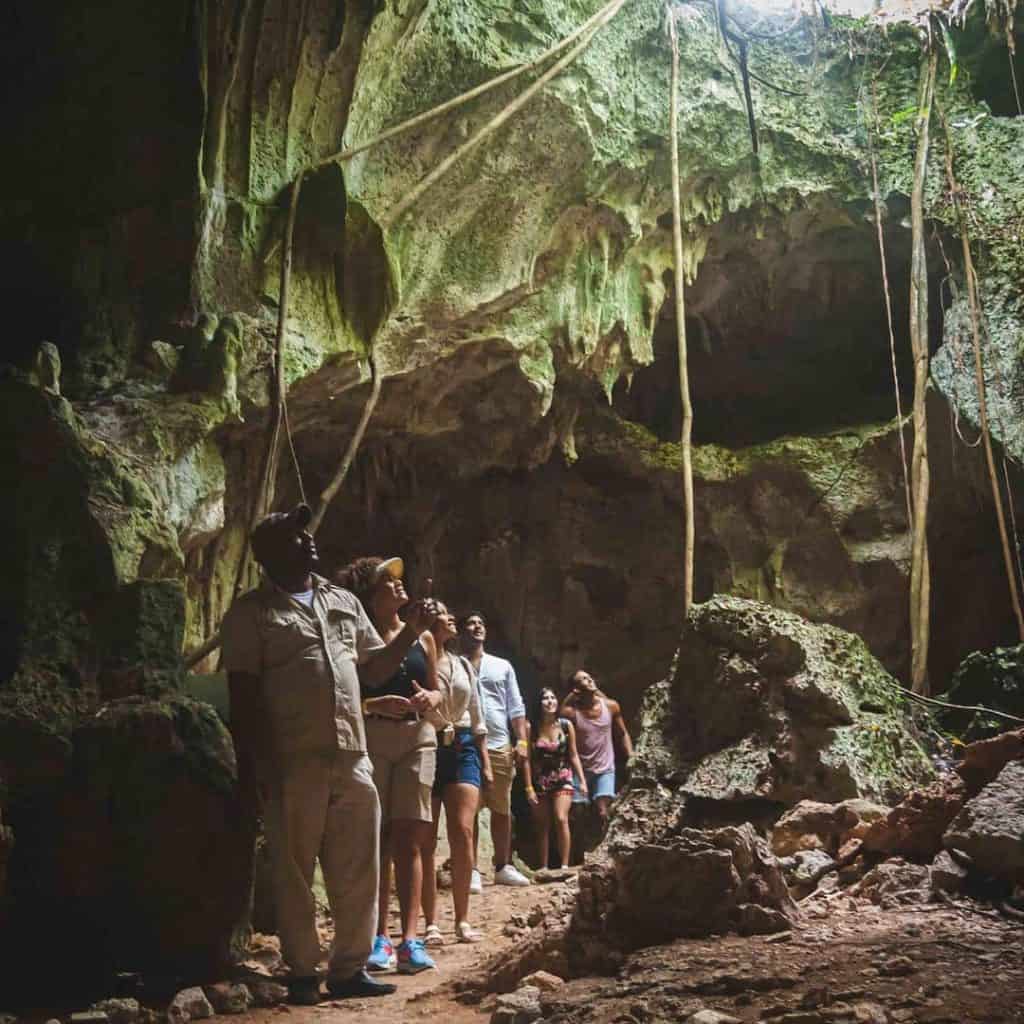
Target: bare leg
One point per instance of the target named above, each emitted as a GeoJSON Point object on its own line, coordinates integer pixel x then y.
{"type": "Point", "coordinates": [408, 838]}
{"type": "Point", "coordinates": [541, 812]}
{"type": "Point", "coordinates": [603, 804]}
{"type": "Point", "coordinates": [384, 889]}
{"type": "Point", "coordinates": [476, 838]}
{"type": "Point", "coordinates": [501, 833]}
{"type": "Point", "coordinates": [460, 803]}
{"type": "Point", "coordinates": [429, 868]}
{"type": "Point", "coordinates": [560, 804]}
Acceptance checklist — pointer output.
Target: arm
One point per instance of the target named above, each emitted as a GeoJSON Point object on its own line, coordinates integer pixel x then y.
{"type": "Point", "coordinates": [478, 724]}
{"type": "Point", "coordinates": [378, 664]}
{"type": "Point", "coordinates": [427, 698]}
{"type": "Point", "coordinates": [574, 757]}
{"type": "Point", "coordinates": [517, 715]}
{"type": "Point", "coordinates": [250, 731]}
{"type": "Point", "coordinates": [429, 645]}
{"type": "Point", "coordinates": [531, 793]}
{"type": "Point", "coordinates": [619, 728]}
{"type": "Point", "coordinates": [485, 758]}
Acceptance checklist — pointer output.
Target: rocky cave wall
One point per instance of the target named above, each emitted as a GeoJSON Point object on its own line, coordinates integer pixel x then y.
{"type": "Point", "coordinates": [521, 454]}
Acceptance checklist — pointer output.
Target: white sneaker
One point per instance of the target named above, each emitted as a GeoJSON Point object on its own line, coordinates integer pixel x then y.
{"type": "Point", "coordinates": [508, 875]}
{"type": "Point", "coordinates": [476, 883]}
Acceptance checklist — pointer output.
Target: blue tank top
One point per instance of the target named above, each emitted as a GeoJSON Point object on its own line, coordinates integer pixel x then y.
{"type": "Point", "coordinates": [414, 666]}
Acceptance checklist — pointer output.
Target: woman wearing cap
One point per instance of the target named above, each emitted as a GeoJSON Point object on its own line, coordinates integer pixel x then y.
{"type": "Point", "coordinates": [402, 745]}
{"type": "Point", "coordinates": [462, 764]}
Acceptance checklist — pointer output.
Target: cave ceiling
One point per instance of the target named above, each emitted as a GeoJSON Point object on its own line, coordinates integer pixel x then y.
{"type": "Point", "coordinates": [520, 313]}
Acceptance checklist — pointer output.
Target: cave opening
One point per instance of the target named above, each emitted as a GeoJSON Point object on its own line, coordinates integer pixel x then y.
{"type": "Point", "coordinates": [787, 333]}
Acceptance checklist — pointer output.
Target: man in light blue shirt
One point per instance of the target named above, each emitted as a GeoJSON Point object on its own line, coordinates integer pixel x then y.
{"type": "Point", "coordinates": [503, 708]}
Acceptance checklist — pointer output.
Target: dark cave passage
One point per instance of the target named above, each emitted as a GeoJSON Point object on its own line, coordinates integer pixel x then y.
{"type": "Point", "coordinates": [786, 334]}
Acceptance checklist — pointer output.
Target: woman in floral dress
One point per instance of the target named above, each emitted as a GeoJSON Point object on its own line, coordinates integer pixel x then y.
{"type": "Point", "coordinates": [549, 773]}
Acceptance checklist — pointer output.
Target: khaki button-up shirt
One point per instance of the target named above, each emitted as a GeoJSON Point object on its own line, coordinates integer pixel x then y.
{"type": "Point", "coordinates": [306, 661]}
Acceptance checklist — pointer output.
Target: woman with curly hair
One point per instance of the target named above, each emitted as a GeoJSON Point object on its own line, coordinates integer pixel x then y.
{"type": "Point", "coordinates": [402, 745]}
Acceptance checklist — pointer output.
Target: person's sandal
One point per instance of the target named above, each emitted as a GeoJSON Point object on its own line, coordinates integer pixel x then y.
{"type": "Point", "coordinates": [432, 936]}
{"type": "Point", "coordinates": [467, 933]}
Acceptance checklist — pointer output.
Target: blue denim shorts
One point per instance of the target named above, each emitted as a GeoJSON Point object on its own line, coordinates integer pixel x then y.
{"type": "Point", "coordinates": [457, 762]}
{"type": "Point", "coordinates": [598, 784]}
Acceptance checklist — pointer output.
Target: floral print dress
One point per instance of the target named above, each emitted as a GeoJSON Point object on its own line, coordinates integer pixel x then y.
{"type": "Point", "coordinates": [552, 772]}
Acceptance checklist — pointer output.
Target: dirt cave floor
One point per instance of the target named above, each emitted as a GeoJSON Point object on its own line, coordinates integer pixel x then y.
{"type": "Point", "coordinates": [849, 960]}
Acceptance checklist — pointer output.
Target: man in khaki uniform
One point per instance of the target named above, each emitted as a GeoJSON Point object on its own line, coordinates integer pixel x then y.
{"type": "Point", "coordinates": [291, 649]}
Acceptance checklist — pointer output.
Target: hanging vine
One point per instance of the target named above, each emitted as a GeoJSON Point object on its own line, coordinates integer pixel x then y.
{"type": "Point", "coordinates": [920, 575]}
{"type": "Point", "coordinates": [979, 381]}
{"type": "Point", "coordinates": [685, 440]}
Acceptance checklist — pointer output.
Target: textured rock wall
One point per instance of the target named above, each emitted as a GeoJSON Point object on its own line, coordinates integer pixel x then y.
{"type": "Point", "coordinates": [145, 212]}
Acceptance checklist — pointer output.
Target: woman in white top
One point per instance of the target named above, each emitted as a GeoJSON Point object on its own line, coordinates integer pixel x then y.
{"type": "Point", "coordinates": [462, 764]}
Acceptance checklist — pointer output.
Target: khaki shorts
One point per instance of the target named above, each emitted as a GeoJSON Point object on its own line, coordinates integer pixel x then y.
{"type": "Point", "coordinates": [497, 797]}
{"type": "Point", "coordinates": [404, 756]}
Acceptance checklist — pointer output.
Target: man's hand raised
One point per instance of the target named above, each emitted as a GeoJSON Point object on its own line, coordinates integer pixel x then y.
{"type": "Point", "coordinates": [421, 613]}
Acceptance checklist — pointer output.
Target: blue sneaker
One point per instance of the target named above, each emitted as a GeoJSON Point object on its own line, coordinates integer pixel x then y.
{"type": "Point", "coordinates": [412, 958]}
{"type": "Point", "coordinates": [383, 956]}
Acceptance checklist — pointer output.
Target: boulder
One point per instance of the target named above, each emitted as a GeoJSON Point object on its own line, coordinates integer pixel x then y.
{"type": "Point", "coordinates": [803, 869]}
{"type": "Point", "coordinates": [985, 759]}
{"type": "Point", "coordinates": [544, 980]}
{"type": "Point", "coordinates": [688, 882]}
{"type": "Point", "coordinates": [914, 828]}
{"type": "Point", "coordinates": [519, 1007]}
{"type": "Point", "coordinates": [892, 882]}
{"type": "Point", "coordinates": [812, 825]}
{"type": "Point", "coordinates": [990, 828]}
{"type": "Point", "coordinates": [867, 812]}
{"type": "Point", "coordinates": [267, 993]}
{"type": "Point", "coordinates": [945, 875]}
{"type": "Point", "coordinates": [228, 997]}
{"type": "Point", "coordinates": [762, 705]}
{"type": "Point", "coordinates": [189, 1004]}
{"type": "Point", "coordinates": [148, 852]}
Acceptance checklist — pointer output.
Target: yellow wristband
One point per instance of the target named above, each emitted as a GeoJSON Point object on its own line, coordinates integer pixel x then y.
{"type": "Point", "coordinates": [530, 789]}
{"type": "Point", "coordinates": [522, 745]}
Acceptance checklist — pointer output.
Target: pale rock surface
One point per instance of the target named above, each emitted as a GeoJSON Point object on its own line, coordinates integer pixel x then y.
{"type": "Point", "coordinates": [119, 1011]}
{"type": "Point", "coordinates": [712, 1017]}
{"type": "Point", "coordinates": [519, 1007]}
{"type": "Point", "coordinates": [189, 1004]}
{"type": "Point", "coordinates": [810, 714]}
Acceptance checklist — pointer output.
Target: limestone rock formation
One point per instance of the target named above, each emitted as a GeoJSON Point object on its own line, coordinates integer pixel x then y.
{"type": "Point", "coordinates": [812, 824]}
{"type": "Point", "coordinates": [915, 827]}
{"type": "Point", "coordinates": [990, 828]}
{"type": "Point", "coordinates": [985, 759]}
{"type": "Point", "coordinates": [763, 706]}
{"type": "Point", "coordinates": [140, 848]}
{"type": "Point", "coordinates": [697, 882]}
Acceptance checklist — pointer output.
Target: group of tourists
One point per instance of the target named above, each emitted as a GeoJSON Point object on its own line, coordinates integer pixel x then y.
{"type": "Point", "coordinates": [357, 715]}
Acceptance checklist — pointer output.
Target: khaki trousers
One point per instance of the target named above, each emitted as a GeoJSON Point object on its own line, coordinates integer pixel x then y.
{"type": "Point", "coordinates": [325, 806]}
